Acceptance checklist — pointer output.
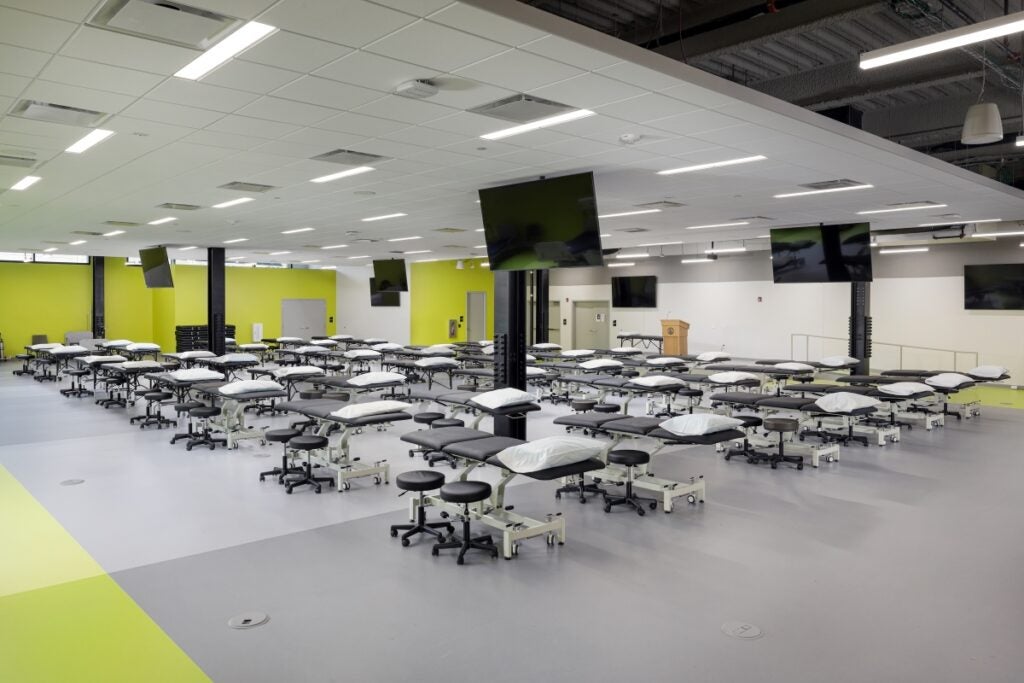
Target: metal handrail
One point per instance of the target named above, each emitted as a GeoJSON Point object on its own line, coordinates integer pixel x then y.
{"type": "Point", "coordinates": [900, 348]}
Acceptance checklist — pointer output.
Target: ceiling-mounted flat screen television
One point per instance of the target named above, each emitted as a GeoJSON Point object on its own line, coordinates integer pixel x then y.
{"type": "Point", "coordinates": [156, 268]}
{"type": "Point", "coordinates": [996, 287]}
{"type": "Point", "coordinates": [379, 298]}
{"type": "Point", "coordinates": [390, 274]}
{"type": "Point", "coordinates": [822, 253]}
{"type": "Point", "coordinates": [550, 223]}
{"type": "Point", "coordinates": [635, 292]}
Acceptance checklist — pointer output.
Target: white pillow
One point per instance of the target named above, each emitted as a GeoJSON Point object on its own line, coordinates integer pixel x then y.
{"type": "Point", "coordinates": [731, 377]}
{"type": "Point", "coordinates": [387, 346]}
{"type": "Point", "coordinates": [45, 347]}
{"type": "Point", "coordinates": [548, 452]}
{"type": "Point", "coordinates": [247, 385]}
{"type": "Point", "coordinates": [657, 381]}
{"type": "Point", "coordinates": [143, 346]}
{"type": "Point", "coordinates": [437, 351]}
{"type": "Point", "coordinates": [838, 361]}
{"type": "Point", "coordinates": [904, 388]}
{"type": "Point", "coordinates": [195, 375]}
{"type": "Point", "coordinates": [74, 348]}
{"type": "Point", "coordinates": [309, 349]}
{"type": "Point", "coordinates": [799, 367]}
{"type": "Point", "coordinates": [441, 346]}
{"type": "Point", "coordinates": [299, 370]}
{"type": "Point", "coordinates": [600, 363]}
{"type": "Point", "coordinates": [845, 402]}
{"type": "Point", "coordinates": [487, 350]}
{"type": "Point", "coordinates": [229, 340]}
{"type": "Point", "coordinates": [534, 371]}
{"type": "Point", "coordinates": [576, 353]}
{"type": "Point", "coordinates": [368, 378]}
{"type": "Point", "coordinates": [625, 349]}
{"type": "Point", "coordinates": [375, 340]}
{"type": "Point", "coordinates": [531, 358]}
{"type": "Point", "coordinates": [699, 424]}
{"type": "Point", "coordinates": [436, 362]}
{"type": "Point", "coordinates": [499, 398]}
{"type": "Point", "coordinates": [102, 359]}
{"type": "Point", "coordinates": [709, 356]}
{"type": "Point", "coordinates": [289, 339]}
{"type": "Point", "coordinates": [341, 337]}
{"type": "Point", "coordinates": [362, 353]}
{"type": "Point", "coordinates": [323, 342]}
{"type": "Point", "coordinates": [663, 361]}
{"type": "Point", "coordinates": [116, 343]}
{"type": "Point", "coordinates": [253, 347]}
{"type": "Point", "coordinates": [547, 346]}
{"type": "Point", "coordinates": [371, 408]}
{"type": "Point", "coordinates": [188, 355]}
{"type": "Point", "coordinates": [486, 342]}
{"type": "Point", "coordinates": [238, 358]}
{"type": "Point", "coordinates": [988, 371]}
{"type": "Point", "coordinates": [142, 365]}
{"type": "Point", "coordinates": [948, 380]}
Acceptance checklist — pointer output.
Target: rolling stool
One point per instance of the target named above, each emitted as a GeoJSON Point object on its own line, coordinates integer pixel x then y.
{"type": "Point", "coordinates": [113, 386]}
{"type": "Point", "coordinates": [281, 436]}
{"type": "Point", "coordinates": [583, 405]}
{"type": "Point", "coordinates": [154, 410]}
{"type": "Point", "coordinates": [630, 459]}
{"type": "Point", "coordinates": [749, 422]}
{"type": "Point", "coordinates": [607, 408]}
{"type": "Point", "coordinates": [435, 456]}
{"type": "Point", "coordinates": [182, 409]}
{"type": "Point", "coordinates": [466, 492]}
{"type": "Point", "coordinates": [420, 481]}
{"type": "Point", "coordinates": [425, 418]}
{"type": "Point", "coordinates": [26, 369]}
{"type": "Point", "coordinates": [307, 443]}
{"type": "Point", "coordinates": [205, 435]}
{"type": "Point", "coordinates": [782, 425]}
{"type": "Point", "coordinates": [77, 389]}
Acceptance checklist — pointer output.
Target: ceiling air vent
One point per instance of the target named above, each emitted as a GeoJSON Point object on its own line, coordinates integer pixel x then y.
{"type": "Point", "coordinates": [17, 160]}
{"type": "Point", "coordinates": [347, 157]}
{"type": "Point", "coordinates": [179, 207]}
{"type": "Point", "coordinates": [87, 233]}
{"type": "Point", "coordinates": [167, 22]}
{"type": "Point", "coordinates": [521, 109]}
{"type": "Point", "coordinates": [122, 224]}
{"type": "Point", "coordinates": [659, 205]}
{"type": "Point", "coordinates": [58, 113]}
{"type": "Point", "coordinates": [247, 187]}
{"type": "Point", "coordinates": [753, 218]}
{"type": "Point", "coordinates": [449, 230]}
{"type": "Point", "coordinates": [365, 240]}
{"type": "Point", "coordinates": [832, 184]}
{"type": "Point", "coordinates": [635, 230]}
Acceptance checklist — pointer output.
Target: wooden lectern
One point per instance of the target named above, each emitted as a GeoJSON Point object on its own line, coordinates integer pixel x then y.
{"type": "Point", "coordinates": [674, 333]}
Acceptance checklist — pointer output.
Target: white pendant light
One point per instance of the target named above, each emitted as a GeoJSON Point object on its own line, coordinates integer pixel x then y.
{"type": "Point", "coordinates": [982, 125]}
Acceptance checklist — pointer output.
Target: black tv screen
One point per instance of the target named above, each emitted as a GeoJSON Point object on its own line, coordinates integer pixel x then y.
{"type": "Point", "coordinates": [156, 268]}
{"type": "Point", "coordinates": [391, 275]}
{"type": "Point", "coordinates": [635, 292]}
{"type": "Point", "coordinates": [822, 253]}
{"type": "Point", "coordinates": [379, 298]}
{"type": "Point", "coordinates": [997, 287]}
{"type": "Point", "coordinates": [542, 224]}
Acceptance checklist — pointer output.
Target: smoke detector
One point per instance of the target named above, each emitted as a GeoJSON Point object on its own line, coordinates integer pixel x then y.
{"type": "Point", "coordinates": [630, 138]}
{"type": "Point", "coordinates": [418, 89]}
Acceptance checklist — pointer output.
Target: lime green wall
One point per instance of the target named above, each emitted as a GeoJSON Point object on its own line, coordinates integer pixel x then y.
{"type": "Point", "coordinates": [438, 294]}
{"type": "Point", "coordinates": [43, 298]}
{"type": "Point", "coordinates": [129, 304]}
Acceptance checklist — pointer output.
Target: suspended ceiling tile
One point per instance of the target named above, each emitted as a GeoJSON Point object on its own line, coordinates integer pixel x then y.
{"type": "Point", "coordinates": [327, 93]}
{"type": "Point", "coordinates": [33, 31]}
{"type": "Point", "coordinates": [419, 8]}
{"type": "Point", "coordinates": [69, 10]}
{"type": "Point", "coordinates": [588, 91]}
{"type": "Point", "coordinates": [326, 140]}
{"type": "Point", "coordinates": [249, 76]}
{"type": "Point", "coordinates": [374, 71]}
{"type": "Point", "coordinates": [99, 76]}
{"type": "Point", "coordinates": [349, 22]}
{"type": "Point", "coordinates": [222, 139]}
{"type": "Point", "coordinates": [568, 52]}
{"type": "Point", "coordinates": [84, 98]}
{"type": "Point", "coordinates": [359, 124]}
{"type": "Point", "coordinates": [647, 107]}
{"type": "Point", "coordinates": [398, 108]}
{"type": "Point", "coordinates": [519, 71]}
{"type": "Point", "coordinates": [288, 50]}
{"type": "Point", "coordinates": [202, 95]}
{"type": "Point", "coordinates": [109, 47]}
{"type": "Point", "coordinates": [176, 114]}
{"type": "Point", "coordinates": [11, 85]}
{"type": "Point", "coordinates": [286, 111]}
{"type": "Point", "coordinates": [22, 62]}
{"type": "Point", "coordinates": [435, 46]}
{"type": "Point", "coordinates": [483, 23]}
{"type": "Point", "coordinates": [245, 125]}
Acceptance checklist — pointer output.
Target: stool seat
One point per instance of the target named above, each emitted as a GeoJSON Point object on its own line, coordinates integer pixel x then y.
{"type": "Point", "coordinates": [629, 457]}
{"type": "Point", "coordinates": [158, 395]}
{"type": "Point", "coordinates": [204, 411]}
{"type": "Point", "coordinates": [780, 424]}
{"type": "Point", "coordinates": [583, 406]}
{"type": "Point", "coordinates": [427, 417]}
{"type": "Point", "coordinates": [307, 395]}
{"type": "Point", "coordinates": [77, 373]}
{"type": "Point", "coordinates": [141, 393]}
{"type": "Point", "coordinates": [186, 406]}
{"type": "Point", "coordinates": [465, 491]}
{"type": "Point", "coordinates": [420, 480]}
{"type": "Point", "coordinates": [449, 422]}
{"type": "Point", "coordinates": [281, 435]}
{"type": "Point", "coordinates": [307, 442]}
{"type": "Point", "coordinates": [337, 395]}
{"type": "Point", "coordinates": [749, 420]}
{"type": "Point", "coordinates": [23, 356]}
{"type": "Point", "coordinates": [607, 408]}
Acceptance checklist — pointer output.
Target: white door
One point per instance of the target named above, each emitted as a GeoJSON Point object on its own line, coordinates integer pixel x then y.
{"type": "Point", "coordinates": [590, 325]}
{"type": "Point", "coordinates": [476, 316]}
{"type": "Point", "coordinates": [554, 323]}
{"type": "Point", "coordinates": [305, 318]}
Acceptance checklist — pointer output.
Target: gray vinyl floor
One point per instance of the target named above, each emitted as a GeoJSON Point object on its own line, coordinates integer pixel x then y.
{"type": "Point", "coordinates": [898, 563]}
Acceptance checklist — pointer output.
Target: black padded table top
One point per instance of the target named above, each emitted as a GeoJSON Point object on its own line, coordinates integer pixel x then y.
{"type": "Point", "coordinates": [588, 465]}
{"type": "Point", "coordinates": [482, 449]}
{"type": "Point", "coordinates": [856, 412]}
{"type": "Point", "coordinates": [917, 395]}
{"type": "Point", "coordinates": [808, 388]}
{"type": "Point", "coordinates": [784, 402]}
{"type": "Point", "coordinates": [312, 407]}
{"type": "Point", "coordinates": [689, 377]}
{"type": "Point", "coordinates": [634, 425]}
{"type": "Point", "coordinates": [697, 439]}
{"type": "Point", "coordinates": [586, 420]}
{"type": "Point", "coordinates": [911, 373]}
{"type": "Point", "coordinates": [379, 418]}
{"type": "Point", "coordinates": [739, 397]}
{"type": "Point", "coordinates": [436, 439]}
{"type": "Point", "coordinates": [852, 389]}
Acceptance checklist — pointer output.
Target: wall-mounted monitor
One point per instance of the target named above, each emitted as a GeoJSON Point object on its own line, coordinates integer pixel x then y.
{"type": "Point", "coordinates": [390, 274]}
{"type": "Point", "coordinates": [635, 292]}
{"type": "Point", "coordinates": [379, 298]}
{"type": "Point", "coordinates": [822, 253]}
{"type": "Point", "coordinates": [156, 268]}
{"type": "Point", "coordinates": [550, 223]}
{"type": "Point", "coordinates": [996, 287]}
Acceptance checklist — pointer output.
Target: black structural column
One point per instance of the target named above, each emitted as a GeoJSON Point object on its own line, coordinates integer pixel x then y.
{"type": "Point", "coordinates": [860, 325]}
{"type": "Point", "coordinates": [99, 328]}
{"type": "Point", "coordinates": [541, 306]}
{"type": "Point", "coordinates": [215, 299]}
{"type": "Point", "coordinates": [510, 343]}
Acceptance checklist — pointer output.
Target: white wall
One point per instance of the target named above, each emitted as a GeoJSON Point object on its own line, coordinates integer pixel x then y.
{"type": "Point", "coordinates": [358, 318]}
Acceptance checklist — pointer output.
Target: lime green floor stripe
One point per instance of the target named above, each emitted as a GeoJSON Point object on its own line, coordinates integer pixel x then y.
{"type": "Point", "coordinates": [63, 620]}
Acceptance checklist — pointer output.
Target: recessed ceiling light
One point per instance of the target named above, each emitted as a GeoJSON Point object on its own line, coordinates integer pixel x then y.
{"type": "Point", "coordinates": [187, 248]}
{"type": "Point", "coordinates": [620, 265]}
{"type": "Point", "coordinates": [113, 233]}
{"type": "Point", "coordinates": [161, 221]}
{"type": "Point", "coordinates": [1014, 233]}
{"type": "Point", "coordinates": [629, 213]}
{"type": "Point", "coordinates": [826, 191]}
{"type": "Point", "coordinates": [605, 234]}
{"type": "Point", "coordinates": [236, 240]}
{"type": "Point", "coordinates": [724, 250]}
{"type": "Point", "coordinates": [479, 246]}
{"type": "Point", "coordinates": [335, 246]}
{"type": "Point", "coordinates": [350, 258]}
{"type": "Point", "coordinates": [384, 217]}
{"type": "Point", "coordinates": [427, 260]}
{"type": "Point", "coordinates": [635, 255]}
{"type": "Point", "coordinates": [762, 237]}
{"type": "Point", "coordinates": [296, 230]}
{"type": "Point", "coordinates": [242, 39]}
{"type": "Point", "coordinates": [236, 258]}
{"type": "Point", "coordinates": [342, 174]}
{"type": "Point", "coordinates": [946, 40]}
{"type": "Point", "coordinates": [958, 222]}
{"type": "Point", "coordinates": [279, 253]}
{"type": "Point", "coordinates": [713, 164]}
{"type": "Point", "coordinates": [328, 267]}
{"type": "Point", "coordinates": [403, 239]}
{"type": "Point", "coordinates": [906, 250]}
{"type": "Point", "coordinates": [479, 230]}
{"type": "Point", "coordinates": [486, 264]}
{"type": "Point", "coordinates": [316, 260]}
{"type": "Point", "coordinates": [49, 249]}
{"type": "Point", "coordinates": [420, 251]}
{"type": "Point", "coordinates": [76, 243]}
{"type": "Point", "coordinates": [538, 124]}
{"type": "Point", "coordinates": [717, 225]}
{"type": "Point", "coordinates": [233, 202]}
{"type": "Point", "coordinates": [918, 207]}
{"type": "Point", "coordinates": [659, 244]}
{"type": "Point", "coordinates": [26, 182]}
{"type": "Point", "coordinates": [698, 260]}
{"type": "Point", "coordinates": [94, 138]}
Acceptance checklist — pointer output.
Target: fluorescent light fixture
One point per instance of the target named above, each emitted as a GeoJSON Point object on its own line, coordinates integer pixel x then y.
{"type": "Point", "coordinates": [328, 267]}
{"type": "Point", "coordinates": [918, 207]}
{"type": "Point", "coordinates": [480, 246]}
{"type": "Point", "coordinates": [113, 233]}
{"type": "Point", "coordinates": [761, 237]}
{"type": "Point", "coordinates": [486, 264]}
{"type": "Point", "coordinates": [94, 138]}
{"type": "Point", "coordinates": [49, 250]}
{"type": "Point", "coordinates": [1015, 233]}
{"type": "Point", "coordinates": [232, 202]}
{"type": "Point", "coordinates": [933, 225]}
{"type": "Point", "coordinates": [479, 230]}
{"type": "Point", "coordinates": [403, 239]}
{"type": "Point", "coordinates": [279, 253]}
{"type": "Point", "coordinates": [629, 213]}
{"type": "Point", "coordinates": [236, 240]}
{"type": "Point", "coordinates": [297, 230]}
{"type": "Point", "coordinates": [419, 251]}
{"type": "Point", "coordinates": [239, 41]}
{"type": "Point", "coordinates": [605, 234]}
{"type": "Point", "coordinates": [161, 221]}
{"type": "Point", "coordinates": [828, 191]}
{"type": "Point", "coordinates": [342, 174]}
{"type": "Point", "coordinates": [713, 164]}
{"type": "Point", "coordinates": [724, 250]}
{"type": "Point", "coordinates": [76, 243]}
{"type": "Point", "coordinates": [335, 246]}
{"type": "Point", "coordinates": [187, 248]}
{"type": "Point", "coordinates": [947, 40]}
{"type": "Point", "coordinates": [236, 258]}
{"type": "Point", "coordinates": [621, 265]}
{"type": "Point", "coordinates": [660, 244]}
{"type": "Point", "coordinates": [905, 250]}
{"type": "Point", "coordinates": [718, 225]}
{"type": "Point", "coordinates": [26, 182]}
{"type": "Point", "coordinates": [538, 124]}
{"type": "Point", "coordinates": [1019, 142]}
{"type": "Point", "coordinates": [427, 260]}
{"type": "Point", "coordinates": [351, 258]}
{"type": "Point", "coordinates": [698, 260]}
{"type": "Point", "coordinates": [636, 255]}
{"type": "Point", "coordinates": [384, 217]}
{"type": "Point", "coordinates": [316, 260]}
